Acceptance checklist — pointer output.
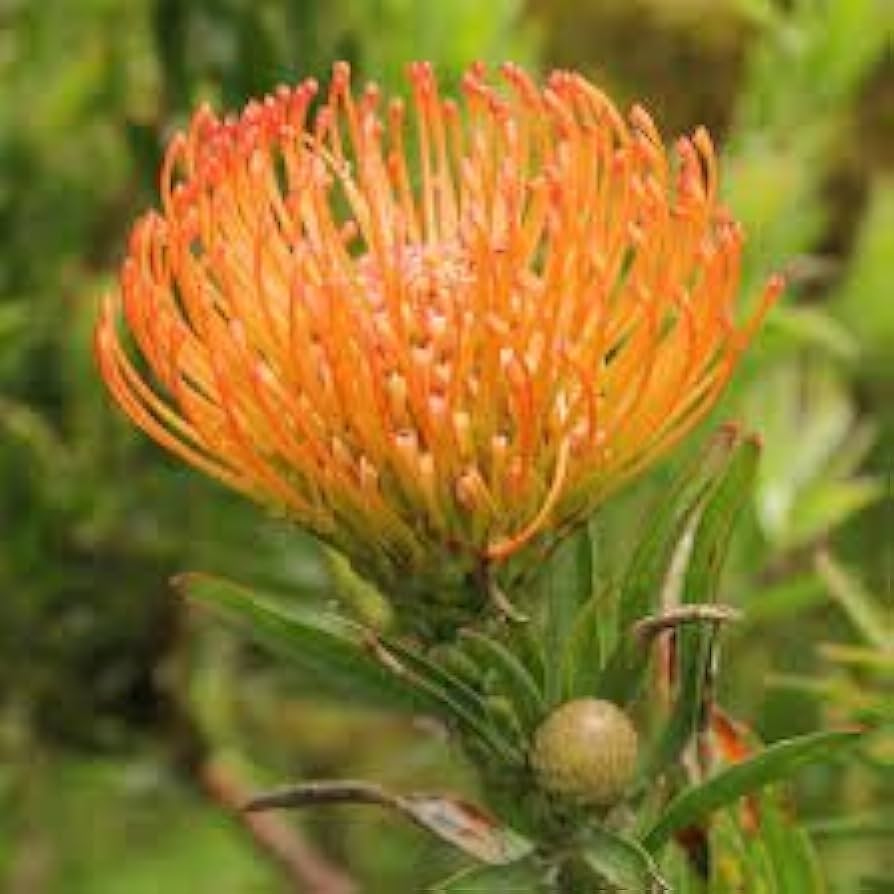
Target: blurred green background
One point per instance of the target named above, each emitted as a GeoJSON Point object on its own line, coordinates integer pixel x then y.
{"type": "Point", "coordinates": [112, 698]}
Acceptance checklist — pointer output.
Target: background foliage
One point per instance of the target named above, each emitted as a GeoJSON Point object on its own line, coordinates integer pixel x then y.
{"type": "Point", "coordinates": [108, 689]}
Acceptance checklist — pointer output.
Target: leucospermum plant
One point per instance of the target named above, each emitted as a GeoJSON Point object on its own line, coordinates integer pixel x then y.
{"type": "Point", "coordinates": [438, 335]}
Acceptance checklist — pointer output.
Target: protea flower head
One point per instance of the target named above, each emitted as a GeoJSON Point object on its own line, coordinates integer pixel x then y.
{"type": "Point", "coordinates": [430, 332]}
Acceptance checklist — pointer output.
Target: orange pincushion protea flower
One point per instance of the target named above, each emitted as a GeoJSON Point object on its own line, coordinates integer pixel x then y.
{"type": "Point", "coordinates": [433, 351]}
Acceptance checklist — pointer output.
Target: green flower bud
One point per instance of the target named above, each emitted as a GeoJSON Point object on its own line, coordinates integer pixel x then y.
{"type": "Point", "coordinates": [585, 752]}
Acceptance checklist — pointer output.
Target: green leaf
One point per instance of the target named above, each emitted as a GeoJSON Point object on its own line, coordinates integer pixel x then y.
{"type": "Point", "coordinates": [790, 851]}
{"type": "Point", "coordinates": [863, 299]}
{"type": "Point", "coordinates": [459, 702]}
{"type": "Point", "coordinates": [875, 884]}
{"type": "Point", "coordinates": [813, 327]}
{"type": "Point", "coordinates": [778, 761]}
{"type": "Point", "coordinates": [867, 824]}
{"type": "Point", "coordinates": [837, 688]}
{"type": "Point", "coordinates": [516, 682]}
{"type": "Point", "coordinates": [695, 642]}
{"type": "Point", "coordinates": [459, 662]}
{"type": "Point", "coordinates": [739, 860]}
{"type": "Point", "coordinates": [717, 522]}
{"type": "Point", "coordinates": [517, 879]}
{"type": "Point", "coordinates": [502, 715]}
{"type": "Point", "coordinates": [648, 569]}
{"type": "Point", "coordinates": [681, 875]}
{"type": "Point", "coordinates": [525, 643]}
{"type": "Point", "coordinates": [852, 451]}
{"type": "Point", "coordinates": [361, 596]}
{"type": "Point", "coordinates": [582, 658]}
{"type": "Point", "coordinates": [783, 600]}
{"type": "Point", "coordinates": [645, 576]}
{"type": "Point", "coordinates": [870, 659]}
{"type": "Point", "coordinates": [622, 862]}
{"type": "Point", "coordinates": [327, 649]}
{"type": "Point", "coordinates": [826, 505]}
{"type": "Point", "coordinates": [859, 605]}
{"type": "Point", "coordinates": [567, 580]}
{"type": "Point", "coordinates": [805, 493]}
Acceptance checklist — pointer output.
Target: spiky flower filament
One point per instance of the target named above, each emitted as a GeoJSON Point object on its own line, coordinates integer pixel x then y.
{"type": "Point", "coordinates": [442, 328]}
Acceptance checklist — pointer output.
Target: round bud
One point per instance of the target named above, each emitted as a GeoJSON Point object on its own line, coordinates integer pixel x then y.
{"type": "Point", "coordinates": [585, 751]}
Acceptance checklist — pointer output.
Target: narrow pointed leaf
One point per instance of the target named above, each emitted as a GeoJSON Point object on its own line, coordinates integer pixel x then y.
{"type": "Point", "coordinates": [517, 684]}
{"type": "Point", "coordinates": [739, 855]}
{"type": "Point", "coordinates": [861, 608]}
{"type": "Point", "coordinates": [582, 659]}
{"type": "Point", "coordinates": [826, 505]}
{"type": "Point", "coordinates": [776, 762]}
{"type": "Point", "coordinates": [516, 879]}
{"type": "Point", "coordinates": [327, 649]}
{"type": "Point", "coordinates": [622, 862]}
{"type": "Point", "coordinates": [525, 643]}
{"type": "Point", "coordinates": [464, 706]}
{"type": "Point", "coordinates": [689, 706]}
{"type": "Point", "coordinates": [791, 853]}
{"type": "Point", "coordinates": [717, 523]}
{"type": "Point", "coordinates": [649, 567]}
{"type": "Point", "coordinates": [695, 642]}
{"type": "Point", "coordinates": [866, 824]}
{"type": "Point", "coordinates": [568, 584]}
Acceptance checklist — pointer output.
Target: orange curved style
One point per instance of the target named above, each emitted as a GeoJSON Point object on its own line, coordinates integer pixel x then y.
{"type": "Point", "coordinates": [434, 325]}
